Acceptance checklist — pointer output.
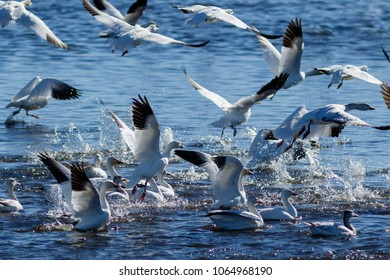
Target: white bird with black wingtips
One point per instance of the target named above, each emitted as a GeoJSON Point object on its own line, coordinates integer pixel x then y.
{"type": "Point", "coordinates": [147, 144]}
{"type": "Point", "coordinates": [239, 112]}
{"type": "Point", "coordinates": [126, 36]}
{"type": "Point", "coordinates": [38, 92]}
{"type": "Point", "coordinates": [16, 12]}
{"type": "Point", "coordinates": [341, 73]}
{"type": "Point", "coordinates": [329, 121]}
{"type": "Point", "coordinates": [289, 59]}
{"type": "Point", "coordinates": [225, 174]}
{"type": "Point", "coordinates": [160, 186]}
{"type": "Point", "coordinates": [91, 207]}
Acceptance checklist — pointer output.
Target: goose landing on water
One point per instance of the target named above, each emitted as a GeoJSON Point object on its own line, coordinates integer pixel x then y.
{"type": "Point", "coordinates": [37, 94]}
{"type": "Point", "coordinates": [90, 205]}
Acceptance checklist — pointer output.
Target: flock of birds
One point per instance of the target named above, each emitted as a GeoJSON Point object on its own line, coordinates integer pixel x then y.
{"type": "Point", "coordinates": [86, 189]}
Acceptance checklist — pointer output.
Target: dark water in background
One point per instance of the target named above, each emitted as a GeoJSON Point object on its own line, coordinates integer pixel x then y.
{"type": "Point", "coordinates": [349, 172]}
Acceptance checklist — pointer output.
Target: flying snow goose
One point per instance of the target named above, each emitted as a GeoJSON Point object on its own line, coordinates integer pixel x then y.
{"type": "Point", "coordinates": [132, 15]}
{"type": "Point", "coordinates": [225, 174]}
{"type": "Point", "coordinates": [289, 60]}
{"type": "Point", "coordinates": [125, 36]}
{"type": "Point", "coordinates": [210, 14]}
{"type": "Point", "coordinates": [331, 119]}
{"type": "Point", "coordinates": [90, 205]}
{"type": "Point", "coordinates": [11, 204]}
{"type": "Point", "coordinates": [326, 121]}
{"type": "Point", "coordinates": [332, 228]}
{"type": "Point", "coordinates": [348, 72]}
{"type": "Point", "coordinates": [38, 92]}
{"type": "Point", "coordinates": [237, 219]}
{"type": "Point", "coordinates": [239, 112]}
{"type": "Point", "coordinates": [285, 213]}
{"type": "Point", "coordinates": [16, 12]}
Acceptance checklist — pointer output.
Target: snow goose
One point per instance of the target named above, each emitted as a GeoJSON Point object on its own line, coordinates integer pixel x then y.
{"type": "Point", "coordinates": [90, 205]}
{"type": "Point", "coordinates": [326, 121]}
{"type": "Point", "coordinates": [239, 112]}
{"type": "Point", "coordinates": [332, 228]}
{"type": "Point", "coordinates": [210, 14]}
{"type": "Point", "coordinates": [16, 12]}
{"type": "Point", "coordinates": [287, 213]}
{"type": "Point", "coordinates": [125, 36]}
{"type": "Point", "coordinates": [329, 121]}
{"type": "Point", "coordinates": [348, 72]}
{"type": "Point", "coordinates": [38, 92]}
{"type": "Point", "coordinates": [11, 204]}
{"type": "Point", "coordinates": [147, 144]}
{"type": "Point", "coordinates": [225, 174]}
{"type": "Point", "coordinates": [128, 136]}
{"type": "Point", "coordinates": [132, 15]}
{"type": "Point", "coordinates": [289, 60]}
{"type": "Point", "coordinates": [237, 219]}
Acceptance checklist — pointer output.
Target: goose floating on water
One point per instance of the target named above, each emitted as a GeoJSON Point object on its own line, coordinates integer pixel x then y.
{"type": "Point", "coordinates": [11, 204]}
{"type": "Point", "coordinates": [125, 36]}
{"type": "Point", "coordinates": [289, 60]}
{"type": "Point", "coordinates": [16, 12]}
{"type": "Point", "coordinates": [37, 94]}
{"type": "Point", "coordinates": [210, 14]}
{"type": "Point", "coordinates": [332, 228]}
{"type": "Point", "coordinates": [285, 213]}
{"type": "Point", "coordinates": [239, 112]}
{"type": "Point", "coordinates": [340, 73]}
{"type": "Point", "coordinates": [237, 219]}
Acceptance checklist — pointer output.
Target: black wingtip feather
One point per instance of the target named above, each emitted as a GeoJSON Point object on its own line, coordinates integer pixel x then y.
{"type": "Point", "coordinates": [51, 164]}
{"type": "Point", "coordinates": [193, 157]}
{"type": "Point", "coordinates": [293, 31]}
{"type": "Point", "coordinates": [141, 111]}
{"type": "Point", "coordinates": [78, 177]}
